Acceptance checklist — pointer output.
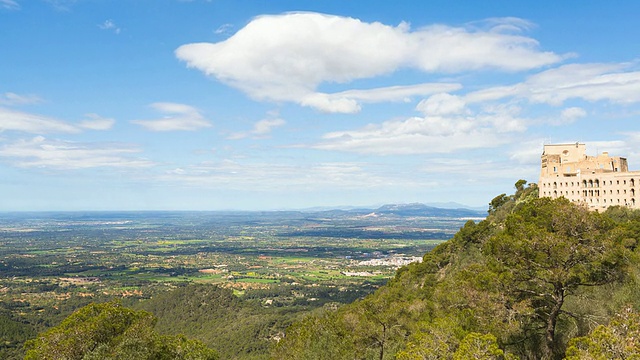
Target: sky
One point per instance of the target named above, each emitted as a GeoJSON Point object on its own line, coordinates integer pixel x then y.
{"type": "Point", "coordinates": [272, 105]}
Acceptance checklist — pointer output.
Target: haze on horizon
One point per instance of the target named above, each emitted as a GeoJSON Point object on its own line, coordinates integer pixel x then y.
{"type": "Point", "coordinates": [210, 105]}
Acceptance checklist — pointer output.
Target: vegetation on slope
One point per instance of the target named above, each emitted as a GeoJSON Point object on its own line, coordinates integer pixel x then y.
{"type": "Point", "coordinates": [520, 284]}
{"type": "Point", "coordinates": [234, 327]}
{"type": "Point", "coordinates": [111, 331]}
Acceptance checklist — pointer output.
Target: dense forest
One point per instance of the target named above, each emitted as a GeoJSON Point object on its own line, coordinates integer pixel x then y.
{"type": "Point", "coordinates": [537, 279]}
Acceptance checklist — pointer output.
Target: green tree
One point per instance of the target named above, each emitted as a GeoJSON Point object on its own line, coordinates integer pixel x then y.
{"type": "Point", "coordinates": [477, 346]}
{"type": "Point", "coordinates": [315, 338]}
{"type": "Point", "coordinates": [498, 202]}
{"type": "Point", "coordinates": [618, 340]}
{"type": "Point", "coordinates": [435, 340]}
{"type": "Point", "coordinates": [111, 331]}
{"type": "Point", "coordinates": [548, 250]}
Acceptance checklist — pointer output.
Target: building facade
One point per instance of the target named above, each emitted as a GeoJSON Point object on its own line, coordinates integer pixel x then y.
{"type": "Point", "coordinates": [596, 181]}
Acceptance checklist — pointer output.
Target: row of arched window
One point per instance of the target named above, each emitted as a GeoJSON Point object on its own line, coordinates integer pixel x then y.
{"type": "Point", "coordinates": [590, 183]}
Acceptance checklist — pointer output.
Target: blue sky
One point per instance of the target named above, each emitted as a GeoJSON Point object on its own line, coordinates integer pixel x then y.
{"type": "Point", "coordinates": [260, 105]}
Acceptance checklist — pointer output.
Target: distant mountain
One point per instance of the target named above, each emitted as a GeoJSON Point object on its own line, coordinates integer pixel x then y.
{"type": "Point", "coordinates": [417, 209]}
{"type": "Point", "coordinates": [438, 205]}
{"type": "Point", "coordinates": [455, 205]}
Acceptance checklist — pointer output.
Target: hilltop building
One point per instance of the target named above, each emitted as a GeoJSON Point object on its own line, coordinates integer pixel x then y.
{"type": "Point", "coordinates": [597, 181]}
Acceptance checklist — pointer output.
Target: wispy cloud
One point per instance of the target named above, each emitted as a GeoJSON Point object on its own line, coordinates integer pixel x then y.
{"type": "Point", "coordinates": [616, 83]}
{"type": "Point", "coordinates": [21, 121]}
{"type": "Point", "coordinates": [177, 117]}
{"type": "Point", "coordinates": [40, 152]}
{"type": "Point", "coordinates": [223, 29]}
{"type": "Point", "coordinates": [96, 122]}
{"type": "Point", "coordinates": [10, 99]}
{"type": "Point", "coordinates": [349, 101]}
{"type": "Point", "coordinates": [62, 5]}
{"type": "Point", "coordinates": [261, 129]}
{"type": "Point", "coordinates": [447, 126]}
{"type": "Point", "coordinates": [110, 25]}
{"type": "Point", "coordinates": [275, 176]}
{"type": "Point", "coordinates": [286, 57]}
{"type": "Point", "coordinates": [14, 120]}
{"type": "Point", "coordinates": [9, 4]}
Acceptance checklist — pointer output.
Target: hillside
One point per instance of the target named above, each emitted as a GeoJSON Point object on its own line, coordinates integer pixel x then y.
{"type": "Point", "coordinates": [537, 279]}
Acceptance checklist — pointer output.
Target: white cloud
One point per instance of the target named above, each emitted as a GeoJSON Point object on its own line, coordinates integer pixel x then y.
{"type": "Point", "coordinates": [10, 98]}
{"type": "Point", "coordinates": [265, 126]}
{"type": "Point", "coordinates": [178, 117]}
{"type": "Point", "coordinates": [286, 57]}
{"type": "Point", "coordinates": [40, 152]}
{"type": "Point", "coordinates": [13, 120]}
{"type": "Point", "coordinates": [275, 176]}
{"type": "Point", "coordinates": [590, 82]}
{"type": "Point", "coordinates": [223, 29]}
{"type": "Point", "coordinates": [572, 114]}
{"type": "Point", "coordinates": [9, 4]}
{"type": "Point", "coordinates": [528, 153]}
{"type": "Point", "coordinates": [447, 127]}
{"type": "Point", "coordinates": [442, 104]}
{"type": "Point", "coordinates": [62, 5]}
{"type": "Point", "coordinates": [349, 101]}
{"type": "Point", "coordinates": [110, 25]}
{"type": "Point", "coordinates": [96, 122]}
{"type": "Point", "coordinates": [260, 129]}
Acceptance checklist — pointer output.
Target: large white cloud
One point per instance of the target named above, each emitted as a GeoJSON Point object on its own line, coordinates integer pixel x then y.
{"type": "Point", "coordinates": [286, 57]}
{"type": "Point", "coordinates": [177, 117]}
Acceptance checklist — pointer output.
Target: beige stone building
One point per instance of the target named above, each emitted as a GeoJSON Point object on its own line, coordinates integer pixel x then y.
{"type": "Point", "coordinates": [597, 181]}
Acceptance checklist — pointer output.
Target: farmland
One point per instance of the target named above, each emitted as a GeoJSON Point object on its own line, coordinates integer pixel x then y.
{"type": "Point", "coordinates": [52, 263]}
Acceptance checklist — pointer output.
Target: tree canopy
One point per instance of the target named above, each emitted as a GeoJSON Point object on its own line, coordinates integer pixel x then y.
{"type": "Point", "coordinates": [111, 331]}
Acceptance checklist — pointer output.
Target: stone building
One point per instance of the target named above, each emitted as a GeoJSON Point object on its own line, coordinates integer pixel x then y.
{"type": "Point", "coordinates": [598, 181]}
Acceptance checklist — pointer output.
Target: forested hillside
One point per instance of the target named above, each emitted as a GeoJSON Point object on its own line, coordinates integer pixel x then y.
{"type": "Point", "coordinates": [538, 279]}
